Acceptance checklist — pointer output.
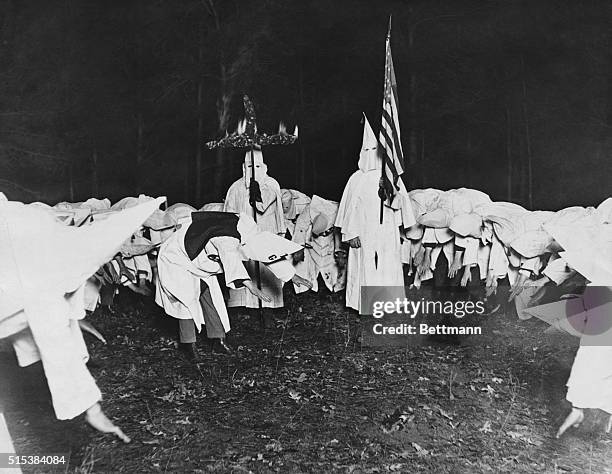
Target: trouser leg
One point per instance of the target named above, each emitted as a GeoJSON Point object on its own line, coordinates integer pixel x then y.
{"type": "Point", "coordinates": [214, 326]}
{"type": "Point", "coordinates": [187, 331]}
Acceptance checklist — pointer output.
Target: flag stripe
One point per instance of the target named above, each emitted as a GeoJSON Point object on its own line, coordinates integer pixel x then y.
{"type": "Point", "coordinates": [390, 163]}
{"type": "Point", "coordinates": [399, 158]}
{"type": "Point", "coordinates": [389, 135]}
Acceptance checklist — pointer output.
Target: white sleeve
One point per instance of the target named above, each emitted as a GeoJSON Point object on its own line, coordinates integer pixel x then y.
{"type": "Point", "coordinates": [429, 236]}
{"type": "Point", "coordinates": [282, 269]}
{"type": "Point", "coordinates": [557, 270]}
{"type": "Point", "coordinates": [143, 265]}
{"type": "Point", "coordinates": [470, 256]}
{"type": "Point", "coordinates": [531, 265]}
{"type": "Point", "coordinates": [231, 259]}
{"type": "Point", "coordinates": [498, 260]}
{"type": "Point", "coordinates": [231, 203]}
{"type": "Point", "coordinates": [302, 231]}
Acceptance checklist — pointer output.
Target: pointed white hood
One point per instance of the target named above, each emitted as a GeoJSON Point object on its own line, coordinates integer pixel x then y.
{"type": "Point", "coordinates": [369, 158]}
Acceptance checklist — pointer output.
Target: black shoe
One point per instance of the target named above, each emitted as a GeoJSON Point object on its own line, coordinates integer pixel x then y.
{"type": "Point", "coordinates": [187, 349]}
{"type": "Point", "coordinates": [220, 347]}
{"type": "Point", "coordinates": [93, 364]}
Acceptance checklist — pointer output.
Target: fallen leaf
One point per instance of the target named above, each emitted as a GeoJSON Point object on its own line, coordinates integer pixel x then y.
{"type": "Point", "coordinates": [486, 428]}
{"type": "Point", "coordinates": [444, 414]}
{"type": "Point", "coordinates": [316, 395]}
{"type": "Point", "coordinates": [274, 446]}
{"type": "Point", "coordinates": [420, 451]}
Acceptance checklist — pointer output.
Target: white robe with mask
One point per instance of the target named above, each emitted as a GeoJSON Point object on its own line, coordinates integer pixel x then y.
{"type": "Point", "coordinates": [377, 262]}
{"type": "Point", "coordinates": [270, 218]}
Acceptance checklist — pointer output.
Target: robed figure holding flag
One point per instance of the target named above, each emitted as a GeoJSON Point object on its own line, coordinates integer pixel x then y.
{"type": "Point", "coordinates": [375, 204]}
{"type": "Point", "coordinates": [375, 248]}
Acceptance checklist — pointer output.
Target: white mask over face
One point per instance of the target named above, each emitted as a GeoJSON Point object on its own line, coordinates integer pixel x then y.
{"type": "Point", "coordinates": [369, 158]}
{"type": "Point", "coordinates": [261, 169]}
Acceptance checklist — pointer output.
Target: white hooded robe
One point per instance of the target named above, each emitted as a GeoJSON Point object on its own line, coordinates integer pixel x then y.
{"type": "Point", "coordinates": [270, 218]}
{"type": "Point", "coordinates": [378, 261]}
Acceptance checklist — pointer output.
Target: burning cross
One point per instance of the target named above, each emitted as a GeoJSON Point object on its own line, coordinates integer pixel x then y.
{"type": "Point", "coordinates": [247, 136]}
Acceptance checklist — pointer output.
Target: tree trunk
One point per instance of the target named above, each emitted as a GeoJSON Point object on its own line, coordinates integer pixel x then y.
{"type": "Point", "coordinates": [344, 152]}
{"type": "Point", "coordinates": [302, 155]}
{"type": "Point", "coordinates": [529, 171]}
{"type": "Point", "coordinates": [223, 116]}
{"type": "Point", "coordinates": [468, 164]}
{"type": "Point", "coordinates": [199, 143]}
{"type": "Point", "coordinates": [139, 151]}
{"type": "Point", "coordinates": [187, 181]}
{"type": "Point", "coordinates": [412, 135]}
{"type": "Point", "coordinates": [522, 172]}
{"type": "Point", "coordinates": [223, 103]}
{"type": "Point", "coordinates": [313, 161]}
{"type": "Point", "coordinates": [71, 179]}
{"type": "Point", "coordinates": [94, 173]}
{"type": "Point", "coordinates": [423, 177]}
{"type": "Point", "coordinates": [510, 169]}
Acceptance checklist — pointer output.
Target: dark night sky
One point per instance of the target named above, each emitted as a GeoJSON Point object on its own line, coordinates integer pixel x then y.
{"type": "Point", "coordinates": [110, 90]}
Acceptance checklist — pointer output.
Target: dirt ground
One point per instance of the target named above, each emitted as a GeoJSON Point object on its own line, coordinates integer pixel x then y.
{"type": "Point", "coordinates": [308, 397]}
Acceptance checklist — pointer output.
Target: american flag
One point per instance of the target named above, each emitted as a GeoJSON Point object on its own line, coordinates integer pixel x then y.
{"type": "Point", "coordinates": [389, 137]}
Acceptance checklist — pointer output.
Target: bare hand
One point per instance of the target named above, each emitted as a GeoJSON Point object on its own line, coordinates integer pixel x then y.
{"type": "Point", "coordinates": [454, 267]}
{"type": "Point", "coordinates": [419, 257]}
{"type": "Point", "coordinates": [299, 281]}
{"type": "Point", "coordinates": [517, 288]}
{"type": "Point", "coordinates": [85, 326]}
{"type": "Point", "coordinates": [491, 285]}
{"type": "Point", "coordinates": [252, 287]}
{"type": "Point", "coordinates": [467, 276]}
{"type": "Point", "coordinates": [355, 243]}
{"type": "Point", "coordinates": [97, 419]}
{"type": "Point", "coordinates": [425, 265]}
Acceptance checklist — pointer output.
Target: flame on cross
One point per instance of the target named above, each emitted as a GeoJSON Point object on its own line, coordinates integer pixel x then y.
{"type": "Point", "coordinates": [246, 134]}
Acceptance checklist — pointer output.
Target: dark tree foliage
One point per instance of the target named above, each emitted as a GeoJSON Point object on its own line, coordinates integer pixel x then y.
{"type": "Point", "coordinates": [116, 98]}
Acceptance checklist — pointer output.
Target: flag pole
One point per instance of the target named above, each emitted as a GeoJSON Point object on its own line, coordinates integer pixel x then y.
{"type": "Point", "coordinates": [254, 206]}
{"type": "Point", "coordinates": [253, 202]}
{"type": "Point", "coordinates": [381, 190]}
{"type": "Point", "coordinates": [249, 138]}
